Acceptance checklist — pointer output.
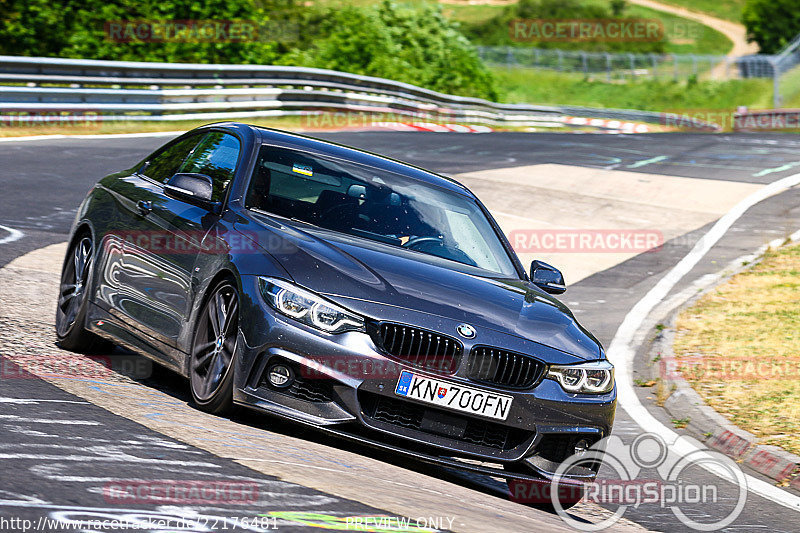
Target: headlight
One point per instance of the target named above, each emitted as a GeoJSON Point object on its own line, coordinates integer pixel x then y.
{"type": "Point", "coordinates": [307, 307]}
{"type": "Point", "coordinates": [596, 377]}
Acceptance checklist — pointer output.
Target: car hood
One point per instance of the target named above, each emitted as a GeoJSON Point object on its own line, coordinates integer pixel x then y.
{"type": "Point", "coordinates": [359, 273]}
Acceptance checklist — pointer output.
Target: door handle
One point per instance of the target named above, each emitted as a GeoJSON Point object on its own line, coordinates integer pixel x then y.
{"type": "Point", "coordinates": [144, 207]}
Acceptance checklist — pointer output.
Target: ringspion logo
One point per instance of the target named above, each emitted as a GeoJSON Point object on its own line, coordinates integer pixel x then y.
{"type": "Point", "coordinates": [650, 472]}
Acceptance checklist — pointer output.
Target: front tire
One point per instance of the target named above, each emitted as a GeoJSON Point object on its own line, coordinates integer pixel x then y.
{"type": "Point", "coordinates": [213, 349]}
{"type": "Point", "coordinates": [73, 299]}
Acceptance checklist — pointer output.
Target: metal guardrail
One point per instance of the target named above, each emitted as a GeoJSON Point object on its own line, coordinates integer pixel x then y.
{"type": "Point", "coordinates": [125, 90]}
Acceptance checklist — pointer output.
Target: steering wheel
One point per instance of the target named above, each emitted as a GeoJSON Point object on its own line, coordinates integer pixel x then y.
{"type": "Point", "coordinates": [414, 241]}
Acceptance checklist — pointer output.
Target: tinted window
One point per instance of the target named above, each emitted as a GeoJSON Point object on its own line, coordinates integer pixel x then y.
{"type": "Point", "coordinates": [164, 164]}
{"type": "Point", "coordinates": [378, 205]}
{"type": "Point", "coordinates": [215, 156]}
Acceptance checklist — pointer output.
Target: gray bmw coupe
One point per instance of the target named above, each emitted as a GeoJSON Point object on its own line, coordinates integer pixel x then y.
{"type": "Point", "coordinates": [340, 289]}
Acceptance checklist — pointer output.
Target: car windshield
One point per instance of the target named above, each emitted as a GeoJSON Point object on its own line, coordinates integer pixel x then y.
{"type": "Point", "coordinates": [378, 205]}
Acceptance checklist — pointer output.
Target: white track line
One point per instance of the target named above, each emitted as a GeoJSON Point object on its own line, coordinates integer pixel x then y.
{"type": "Point", "coordinates": [26, 401]}
{"type": "Point", "coordinates": [14, 235]}
{"type": "Point", "coordinates": [622, 349]}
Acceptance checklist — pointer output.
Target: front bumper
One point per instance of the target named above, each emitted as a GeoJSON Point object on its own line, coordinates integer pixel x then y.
{"type": "Point", "coordinates": [344, 384]}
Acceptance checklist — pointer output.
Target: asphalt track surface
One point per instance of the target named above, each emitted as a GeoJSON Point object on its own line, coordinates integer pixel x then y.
{"type": "Point", "coordinates": [43, 181]}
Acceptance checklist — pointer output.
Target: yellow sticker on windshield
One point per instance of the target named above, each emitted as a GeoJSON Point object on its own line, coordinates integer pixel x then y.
{"type": "Point", "coordinates": [302, 169]}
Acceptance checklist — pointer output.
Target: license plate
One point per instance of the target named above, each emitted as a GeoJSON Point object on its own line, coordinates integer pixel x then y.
{"type": "Point", "coordinates": [453, 396]}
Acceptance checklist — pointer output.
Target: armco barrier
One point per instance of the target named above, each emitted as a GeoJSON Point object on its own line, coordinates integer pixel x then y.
{"type": "Point", "coordinates": [131, 90]}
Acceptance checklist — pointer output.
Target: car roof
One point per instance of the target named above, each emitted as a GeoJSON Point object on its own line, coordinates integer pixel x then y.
{"type": "Point", "coordinates": [302, 142]}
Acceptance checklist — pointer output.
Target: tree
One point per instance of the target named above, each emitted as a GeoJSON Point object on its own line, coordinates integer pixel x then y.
{"type": "Point", "coordinates": [412, 44]}
{"type": "Point", "coordinates": [77, 28]}
{"type": "Point", "coordinates": [771, 23]}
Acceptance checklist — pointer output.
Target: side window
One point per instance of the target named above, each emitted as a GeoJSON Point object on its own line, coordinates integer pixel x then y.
{"type": "Point", "coordinates": [164, 164]}
{"type": "Point", "coordinates": [287, 176]}
{"type": "Point", "coordinates": [216, 157]}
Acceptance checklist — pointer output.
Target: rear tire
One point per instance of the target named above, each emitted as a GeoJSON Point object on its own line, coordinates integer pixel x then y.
{"type": "Point", "coordinates": [213, 349]}
{"type": "Point", "coordinates": [73, 299]}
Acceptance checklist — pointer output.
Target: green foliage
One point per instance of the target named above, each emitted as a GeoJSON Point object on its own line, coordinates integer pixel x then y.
{"type": "Point", "coordinates": [75, 28]}
{"type": "Point", "coordinates": [771, 23]}
{"type": "Point", "coordinates": [496, 31]}
{"type": "Point", "coordinates": [412, 44]}
{"type": "Point", "coordinates": [32, 27]}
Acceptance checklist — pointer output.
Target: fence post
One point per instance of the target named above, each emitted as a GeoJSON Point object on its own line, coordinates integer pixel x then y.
{"type": "Point", "coordinates": [608, 66]}
{"type": "Point", "coordinates": [776, 85]}
{"type": "Point", "coordinates": [694, 64]}
{"type": "Point", "coordinates": [509, 57]}
{"type": "Point", "coordinates": [655, 65]}
{"type": "Point", "coordinates": [585, 63]}
{"type": "Point", "coordinates": [675, 65]}
{"type": "Point", "coordinates": [560, 54]}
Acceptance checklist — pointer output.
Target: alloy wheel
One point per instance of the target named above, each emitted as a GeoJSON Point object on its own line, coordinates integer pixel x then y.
{"type": "Point", "coordinates": [214, 342]}
{"type": "Point", "coordinates": [73, 285]}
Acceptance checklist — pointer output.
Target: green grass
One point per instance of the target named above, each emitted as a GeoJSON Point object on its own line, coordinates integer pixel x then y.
{"type": "Point", "coordinates": [790, 89]}
{"type": "Point", "coordinates": [548, 87]}
{"type": "Point", "coordinates": [470, 13]}
{"type": "Point", "coordinates": [459, 12]}
{"type": "Point", "coordinates": [738, 346]}
{"type": "Point", "coordinates": [685, 36]}
{"type": "Point", "coordinates": [724, 9]}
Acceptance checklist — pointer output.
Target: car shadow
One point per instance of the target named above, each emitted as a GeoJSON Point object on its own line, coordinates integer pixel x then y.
{"type": "Point", "coordinates": [176, 386]}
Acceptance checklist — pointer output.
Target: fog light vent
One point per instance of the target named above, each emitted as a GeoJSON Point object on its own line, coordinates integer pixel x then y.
{"type": "Point", "coordinates": [581, 447]}
{"type": "Point", "coordinates": [280, 376]}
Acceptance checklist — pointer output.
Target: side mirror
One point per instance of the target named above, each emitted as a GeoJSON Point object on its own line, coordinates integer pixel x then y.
{"type": "Point", "coordinates": [547, 277]}
{"type": "Point", "coordinates": [195, 189]}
